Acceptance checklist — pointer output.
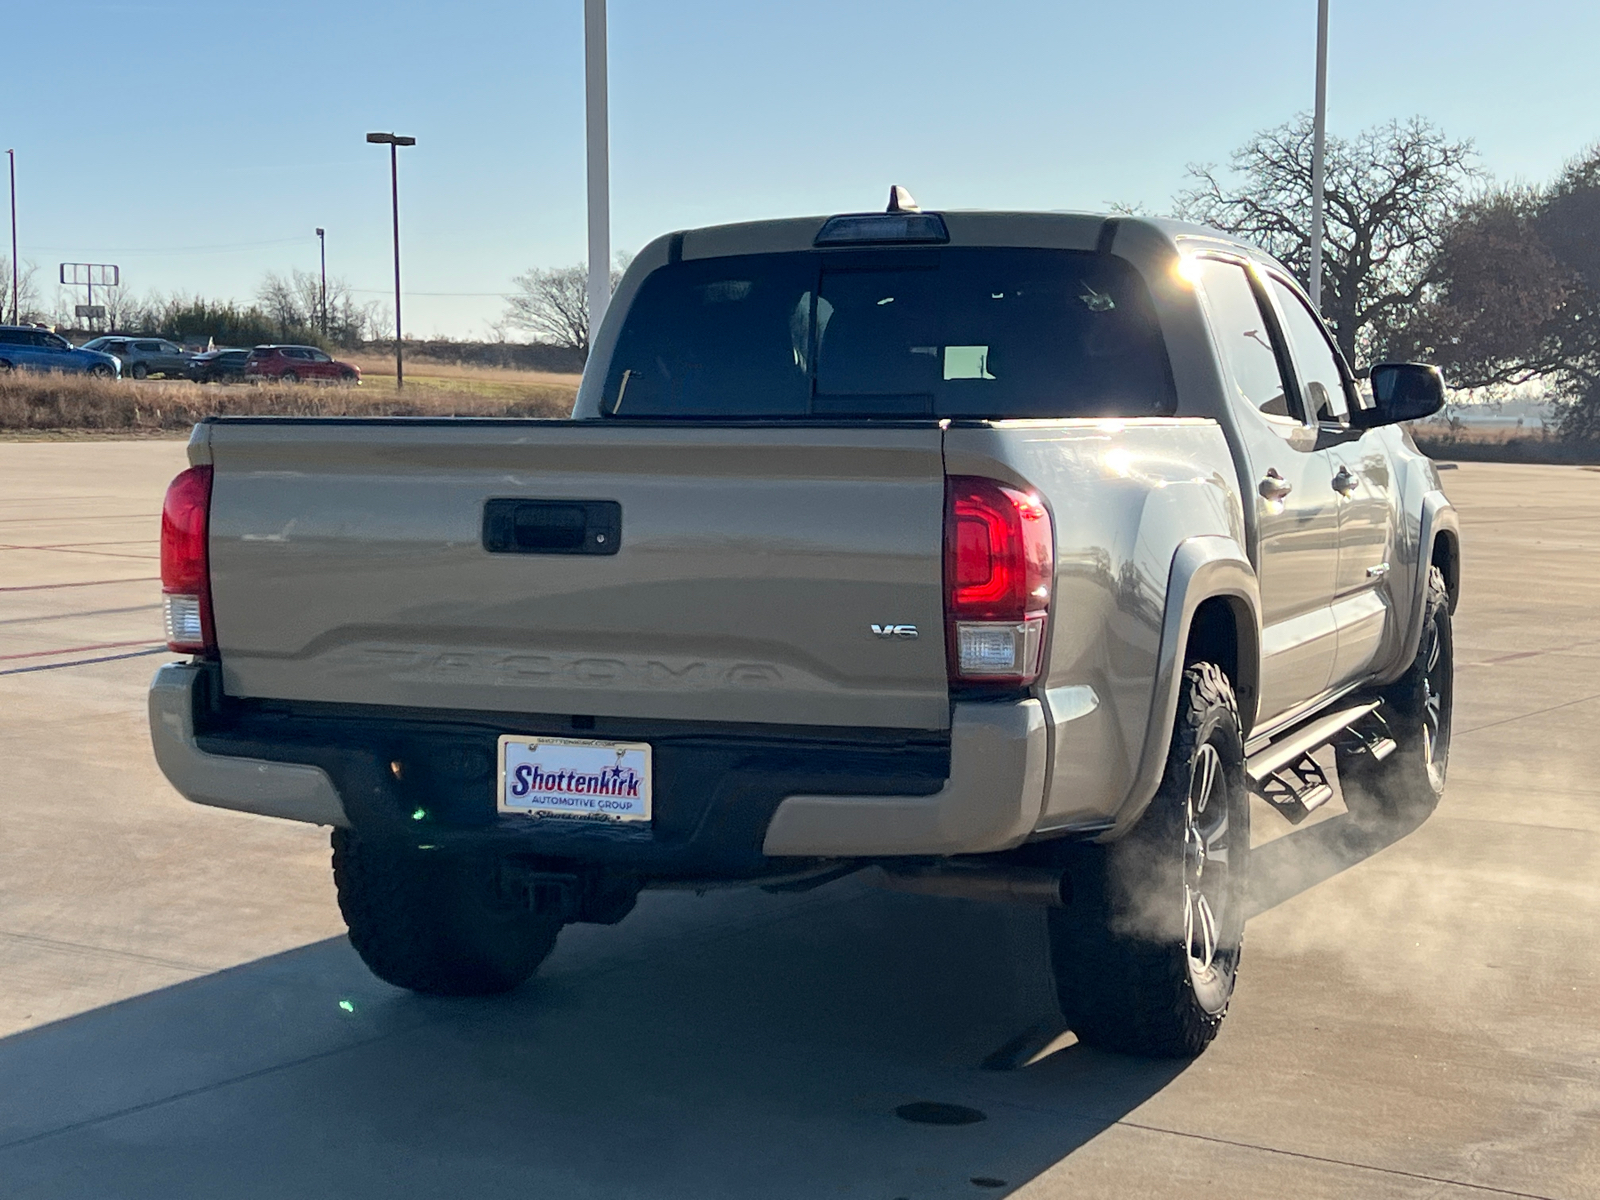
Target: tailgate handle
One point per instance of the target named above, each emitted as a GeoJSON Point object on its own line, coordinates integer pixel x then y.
{"type": "Point", "coordinates": [552, 526]}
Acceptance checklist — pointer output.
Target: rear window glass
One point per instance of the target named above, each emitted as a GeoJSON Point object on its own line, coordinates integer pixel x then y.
{"type": "Point", "coordinates": [952, 332]}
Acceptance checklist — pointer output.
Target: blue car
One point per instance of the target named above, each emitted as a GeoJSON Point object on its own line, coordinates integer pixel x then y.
{"type": "Point", "coordinates": [24, 347]}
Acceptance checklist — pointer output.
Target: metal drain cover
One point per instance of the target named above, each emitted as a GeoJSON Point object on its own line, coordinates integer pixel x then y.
{"type": "Point", "coordinates": [931, 1112]}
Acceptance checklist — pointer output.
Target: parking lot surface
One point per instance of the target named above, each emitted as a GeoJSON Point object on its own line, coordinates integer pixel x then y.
{"type": "Point", "coordinates": [181, 1016]}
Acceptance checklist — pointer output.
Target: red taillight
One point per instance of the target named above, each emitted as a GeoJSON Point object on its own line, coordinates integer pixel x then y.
{"type": "Point", "coordinates": [999, 567]}
{"type": "Point", "coordinates": [185, 564]}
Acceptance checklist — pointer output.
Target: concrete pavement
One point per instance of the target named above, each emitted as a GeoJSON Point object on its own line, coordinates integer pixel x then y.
{"type": "Point", "coordinates": [179, 1015]}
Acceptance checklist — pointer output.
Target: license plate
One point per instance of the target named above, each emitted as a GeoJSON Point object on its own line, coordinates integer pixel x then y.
{"type": "Point", "coordinates": [570, 777]}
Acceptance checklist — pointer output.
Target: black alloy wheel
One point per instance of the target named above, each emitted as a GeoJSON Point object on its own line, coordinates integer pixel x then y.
{"type": "Point", "coordinates": [1418, 710]}
{"type": "Point", "coordinates": [1146, 955]}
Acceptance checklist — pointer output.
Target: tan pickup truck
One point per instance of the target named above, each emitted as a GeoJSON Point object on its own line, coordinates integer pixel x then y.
{"type": "Point", "coordinates": [1003, 554]}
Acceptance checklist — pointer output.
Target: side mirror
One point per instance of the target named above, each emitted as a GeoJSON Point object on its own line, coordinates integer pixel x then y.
{"type": "Point", "coordinates": [1401, 392]}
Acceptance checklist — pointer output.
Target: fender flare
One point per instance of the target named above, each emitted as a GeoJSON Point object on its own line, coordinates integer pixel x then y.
{"type": "Point", "coordinates": [1206, 567]}
{"type": "Point", "coordinates": [1438, 520]}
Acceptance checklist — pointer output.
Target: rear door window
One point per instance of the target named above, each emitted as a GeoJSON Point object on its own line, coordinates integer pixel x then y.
{"type": "Point", "coordinates": [952, 332]}
{"type": "Point", "coordinates": [1321, 380]}
{"type": "Point", "coordinates": [1244, 337]}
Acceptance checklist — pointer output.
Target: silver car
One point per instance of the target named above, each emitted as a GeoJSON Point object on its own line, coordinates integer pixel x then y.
{"type": "Point", "coordinates": [145, 356]}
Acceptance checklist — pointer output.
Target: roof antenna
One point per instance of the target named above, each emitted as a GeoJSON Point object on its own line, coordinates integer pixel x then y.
{"type": "Point", "coordinates": [900, 201]}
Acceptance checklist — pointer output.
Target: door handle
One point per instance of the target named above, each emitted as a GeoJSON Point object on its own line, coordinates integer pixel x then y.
{"type": "Point", "coordinates": [1344, 483]}
{"type": "Point", "coordinates": [1274, 486]}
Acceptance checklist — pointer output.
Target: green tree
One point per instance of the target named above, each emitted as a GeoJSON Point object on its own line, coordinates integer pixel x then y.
{"type": "Point", "coordinates": [1512, 294]}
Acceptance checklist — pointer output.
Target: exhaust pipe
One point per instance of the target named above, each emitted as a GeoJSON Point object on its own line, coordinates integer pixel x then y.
{"type": "Point", "coordinates": [1040, 887]}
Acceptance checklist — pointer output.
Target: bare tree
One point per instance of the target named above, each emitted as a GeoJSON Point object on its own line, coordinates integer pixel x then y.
{"type": "Point", "coordinates": [29, 306]}
{"type": "Point", "coordinates": [1390, 194]}
{"type": "Point", "coordinates": [294, 304]}
{"type": "Point", "coordinates": [124, 310]}
{"type": "Point", "coordinates": [553, 304]}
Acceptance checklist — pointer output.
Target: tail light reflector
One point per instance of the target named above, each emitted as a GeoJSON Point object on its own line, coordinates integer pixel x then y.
{"type": "Point", "coordinates": [999, 567]}
{"type": "Point", "coordinates": [185, 563]}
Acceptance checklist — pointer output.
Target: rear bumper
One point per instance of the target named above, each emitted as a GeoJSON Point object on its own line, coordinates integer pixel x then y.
{"type": "Point", "coordinates": [274, 789]}
{"type": "Point", "coordinates": [991, 801]}
{"type": "Point", "coordinates": [736, 803]}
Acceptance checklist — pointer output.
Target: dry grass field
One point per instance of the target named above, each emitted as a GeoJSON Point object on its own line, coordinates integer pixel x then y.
{"type": "Point", "coordinates": [378, 370]}
{"type": "Point", "coordinates": [73, 405]}
{"type": "Point", "coordinates": [1506, 444]}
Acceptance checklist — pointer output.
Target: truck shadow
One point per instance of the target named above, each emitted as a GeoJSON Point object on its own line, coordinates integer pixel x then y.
{"type": "Point", "coordinates": [1296, 862]}
{"type": "Point", "coordinates": [737, 1044]}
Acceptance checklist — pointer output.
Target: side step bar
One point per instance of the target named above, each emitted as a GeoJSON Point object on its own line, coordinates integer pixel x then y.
{"type": "Point", "coordinates": [1286, 776]}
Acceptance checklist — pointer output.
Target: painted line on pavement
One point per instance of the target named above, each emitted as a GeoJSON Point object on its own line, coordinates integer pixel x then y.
{"type": "Point", "coordinates": [83, 662]}
{"type": "Point", "coordinates": [64, 550]}
{"type": "Point", "coordinates": [67, 616]}
{"type": "Point", "coordinates": [76, 649]}
{"type": "Point", "coordinates": [43, 587]}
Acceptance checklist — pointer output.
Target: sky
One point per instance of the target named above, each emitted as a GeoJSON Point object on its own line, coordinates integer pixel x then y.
{"type": "Point", "coordinates": [199, 145]}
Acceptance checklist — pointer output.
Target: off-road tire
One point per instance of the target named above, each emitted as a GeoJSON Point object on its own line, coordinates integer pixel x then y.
{"type": "Point", "coordinates": [139, 370]}
{"type": "Point", "coordinates": [1408, 784]}
{"type": "Point", "coordinates": [1121, 951]}
{"type": "Point", "coordinates": [435, 923]}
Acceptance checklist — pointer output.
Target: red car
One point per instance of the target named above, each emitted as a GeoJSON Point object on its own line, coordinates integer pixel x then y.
{"type": "Point", "coordinates": [290, 364]}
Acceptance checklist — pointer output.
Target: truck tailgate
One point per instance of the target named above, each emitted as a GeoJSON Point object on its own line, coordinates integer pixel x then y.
{"type": "Point", "coordinates": [349, 564]}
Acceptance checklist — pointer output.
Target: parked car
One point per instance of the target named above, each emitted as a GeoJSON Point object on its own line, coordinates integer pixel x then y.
{"type": "Point", "coordinates": [29, 348]}
{"type": "Point", "coordinates": [290, 364]}
{"type": "Point", "coordinates": [218, 366]}
{"type": "Point", "coordinates": [1002, 555]}
{"type": "Point", "coordinates": [141, 357]}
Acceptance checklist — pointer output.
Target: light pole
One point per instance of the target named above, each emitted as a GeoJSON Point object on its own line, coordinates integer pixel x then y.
{"type": "Point", "coordinates": [594, 73]}
{"type": "Point", "coordinates": [322, 242]}
{"type": "Point", "coordinates": [1319, 130]}
{"type": "Point", "coordinates": [16, 267]}
{"type": "Point", "coordinates": [394, 141]}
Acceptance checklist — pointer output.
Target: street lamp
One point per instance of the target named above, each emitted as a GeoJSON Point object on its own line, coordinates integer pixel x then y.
{"type": "Point", "coordinates": [595, 120]}
{"type": "Point", "coordinates": [1319, 129]}
{"type": "Point", "coordinates": [16, 267]}
{"type": "Point", "coordinates": [322, 242]}
{"type": "Point", "coordinates": [394, 141]}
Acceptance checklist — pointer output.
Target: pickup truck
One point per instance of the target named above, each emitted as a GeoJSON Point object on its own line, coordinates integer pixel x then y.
{"type": "Point", "coordinates": [1002, 555]}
